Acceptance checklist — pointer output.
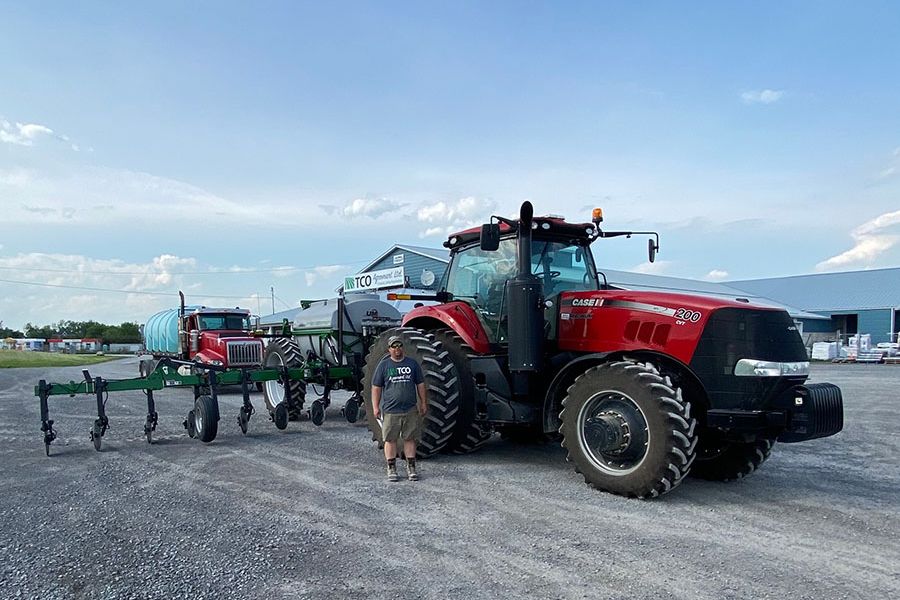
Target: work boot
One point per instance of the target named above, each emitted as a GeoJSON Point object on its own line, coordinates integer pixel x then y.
{"type": "Point", "coordinates": [392, 471]}
{"type": "Point", "coordinates": [411, 469]}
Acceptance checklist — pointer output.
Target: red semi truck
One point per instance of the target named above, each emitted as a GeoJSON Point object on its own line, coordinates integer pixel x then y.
{"type": "Point", "coordinates": [216, 336]}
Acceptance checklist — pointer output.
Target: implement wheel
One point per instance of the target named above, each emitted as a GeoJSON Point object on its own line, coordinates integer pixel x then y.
{"type": "Point", "coordinates": [282, 352]}
{"type": "Point", "coordinates": [280, 416]}
{"type": "Point", "coordinates": [206, 419]}
{"type": "Point", "coordinates": [628, 430]}
{"type": "Point", "coordinates": [96, 435]}
{"type": "Point", "coordinates": [441, 381]}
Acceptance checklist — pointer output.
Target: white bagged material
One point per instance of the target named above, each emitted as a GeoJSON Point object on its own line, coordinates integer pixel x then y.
{"type": "Point", "coordinates": [824, 350]}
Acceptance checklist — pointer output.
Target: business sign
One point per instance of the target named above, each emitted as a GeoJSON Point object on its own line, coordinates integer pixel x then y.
{"type": "Point", "coordinates": [374, 279]}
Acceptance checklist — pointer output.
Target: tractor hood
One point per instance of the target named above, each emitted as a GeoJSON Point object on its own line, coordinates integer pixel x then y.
{"type": "Point", "coordinates": [610, 320]}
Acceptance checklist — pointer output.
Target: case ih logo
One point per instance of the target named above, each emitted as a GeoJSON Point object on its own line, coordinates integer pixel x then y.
{"type": "Point", "coordinates": [587, 301]}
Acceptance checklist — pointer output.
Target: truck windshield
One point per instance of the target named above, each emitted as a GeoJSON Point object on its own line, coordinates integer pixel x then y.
{"type": "Point", "coordinates": [224, 322]}
{"type": "Point", "coordinates": [480, 277]}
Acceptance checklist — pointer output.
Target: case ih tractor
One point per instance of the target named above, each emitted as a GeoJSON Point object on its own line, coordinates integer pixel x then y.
{"type": "Point", "coordinates": [643, 387]}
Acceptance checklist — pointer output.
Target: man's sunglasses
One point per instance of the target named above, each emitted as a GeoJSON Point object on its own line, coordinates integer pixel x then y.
{"type": "Point", "coordinates": [397, 345]}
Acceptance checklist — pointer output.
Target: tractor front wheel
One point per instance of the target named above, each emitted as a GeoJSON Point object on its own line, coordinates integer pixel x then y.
{"type": "Point", "coordinates": [728, 461]}
{"type": "Point", "coordinates": [628, 430]}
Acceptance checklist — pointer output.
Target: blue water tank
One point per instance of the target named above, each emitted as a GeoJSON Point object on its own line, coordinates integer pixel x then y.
{"type": "Point", "coordinates": [161, 331]}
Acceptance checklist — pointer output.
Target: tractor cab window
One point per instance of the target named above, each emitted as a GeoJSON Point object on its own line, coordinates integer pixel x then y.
{"type": "Point", "coordinates": [224, 322]}
{"type": "Point", "coordinates": [480, 277]}
{"type": "Point", "coordinates": [563, 267]}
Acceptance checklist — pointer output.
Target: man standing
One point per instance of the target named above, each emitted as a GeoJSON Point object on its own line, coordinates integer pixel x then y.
{"type": "Point", "coordinates": [398, 394]}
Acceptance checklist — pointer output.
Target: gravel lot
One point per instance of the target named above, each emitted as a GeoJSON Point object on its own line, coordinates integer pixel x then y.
{"type": "Point", "coordinates": [306, 512]}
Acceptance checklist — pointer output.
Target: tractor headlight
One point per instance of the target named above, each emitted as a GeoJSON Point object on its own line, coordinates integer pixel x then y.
{"type": "Point", "coordinates": [748, 367]}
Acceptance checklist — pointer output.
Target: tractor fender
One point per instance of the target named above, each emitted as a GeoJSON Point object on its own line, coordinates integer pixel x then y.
{"type": "Point", "coordinates": [567, 374]}
{"type": "Point", "coordinates": [458, 316]}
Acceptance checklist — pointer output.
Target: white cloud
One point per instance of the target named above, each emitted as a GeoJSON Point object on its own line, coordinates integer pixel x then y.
{"type": "Point", "coordinates": [159, 272]}
{"type": "Point", "coordinates": [17, 178]}
{"type": "Point", "coordinates": [113, 290]}
{"type": "Point", "coordinates": [22, 134]}
{"type": "Point", "coordinates": [659, 267]}
{"type": "Point", "coordinates": [369, 207]}
{"type": "Point", "coordinates": [873, 238]}
{"type": "Point", "coordinates": [445, 218]}
{"type": "Point", "coordinates": [893, 167]}
{"type": "Point", "coordinates": [313, 275]}
{"type": "Point", "coordinates": [25, 134]}
{"type": "Point", "coordinates": [716, 275]}
{"type": "Point", "coordinates": [762, 96]}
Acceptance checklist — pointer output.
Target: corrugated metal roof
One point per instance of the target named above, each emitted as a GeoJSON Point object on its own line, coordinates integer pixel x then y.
{"type": "Point", "coordinates": [659, 283]}
{"type": "Point", "coordinates": [433, 253]}
{"type": "Point", "coordinates": [830, 292]}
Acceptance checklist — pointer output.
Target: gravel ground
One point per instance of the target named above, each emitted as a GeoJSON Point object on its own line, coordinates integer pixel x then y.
{"type": "Point", "coordinates": [306, 512]}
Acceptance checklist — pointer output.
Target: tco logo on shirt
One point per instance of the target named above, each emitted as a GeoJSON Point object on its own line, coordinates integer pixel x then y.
{"type": "Point", "coordinates": [393, 371]}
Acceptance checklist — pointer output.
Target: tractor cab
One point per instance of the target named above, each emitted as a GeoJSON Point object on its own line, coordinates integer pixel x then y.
{"type": "Point", "coordinates": [559, 260]}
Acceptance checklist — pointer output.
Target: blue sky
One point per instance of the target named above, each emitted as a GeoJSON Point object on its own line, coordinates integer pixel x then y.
{"type": "Point", "coordinates": [160, 147]}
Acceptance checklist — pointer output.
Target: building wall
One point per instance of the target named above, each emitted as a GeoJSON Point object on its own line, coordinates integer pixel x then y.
{"type": "Point", "coordinates": [876, 323]}
{"type": "Point", "coordinates": [413, 264]}
{"type": "Point", "coordinates": [817, 326]}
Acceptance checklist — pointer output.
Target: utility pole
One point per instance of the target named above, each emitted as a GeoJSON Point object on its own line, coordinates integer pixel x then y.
{"type": "Point", "coordinates": [273, 298]}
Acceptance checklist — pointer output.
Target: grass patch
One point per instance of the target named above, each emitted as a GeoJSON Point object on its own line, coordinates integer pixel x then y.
{"type": "Point", "coordinates": [17, 358]}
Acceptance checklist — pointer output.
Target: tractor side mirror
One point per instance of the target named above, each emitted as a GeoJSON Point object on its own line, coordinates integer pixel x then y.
{"type": "Point", "coordinates": [490, 236]}
{"type": "Point", "coordinates": [652, 249]}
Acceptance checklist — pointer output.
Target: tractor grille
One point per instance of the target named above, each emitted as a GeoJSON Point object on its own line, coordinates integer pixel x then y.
{"type": "Point", "coordinates": [244, 353]}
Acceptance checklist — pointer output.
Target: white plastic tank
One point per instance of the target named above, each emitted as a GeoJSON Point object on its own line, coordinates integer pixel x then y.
{"type": "Point", "coordinates": [316, 326]}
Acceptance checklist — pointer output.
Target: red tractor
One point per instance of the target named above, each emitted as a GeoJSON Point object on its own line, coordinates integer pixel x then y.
{"type": "Point", "coordinates": [642, 387]}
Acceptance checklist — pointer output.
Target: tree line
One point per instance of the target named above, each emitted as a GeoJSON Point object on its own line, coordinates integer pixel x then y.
{"type": "Point", "coordinates": [125, 333]}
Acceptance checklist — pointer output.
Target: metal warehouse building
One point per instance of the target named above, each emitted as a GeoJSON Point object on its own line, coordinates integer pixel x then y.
{"type": "Point", "coordinates": [853, 302]}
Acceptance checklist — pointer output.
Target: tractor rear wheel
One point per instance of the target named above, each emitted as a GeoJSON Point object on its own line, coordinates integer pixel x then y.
{"type": "Point", "coordinates": [469, 435]}
{"type": "Point", "coordinates": [728, 461]}
{"type": "Point", "coordinates": [441, 380]}
{"type": "Point", "coordinates": [628, 430]}
{"type": "Point", "coordinates": [281, 352]}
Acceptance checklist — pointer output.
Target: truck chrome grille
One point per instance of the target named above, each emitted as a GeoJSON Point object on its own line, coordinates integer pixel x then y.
{"type": "Point", "coordinates": [244, 353]}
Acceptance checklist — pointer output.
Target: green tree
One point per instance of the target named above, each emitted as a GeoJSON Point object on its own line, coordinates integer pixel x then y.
{"type": "Point", "coordinates": [45, 332]}
{"type": "Point", "coordinates": [6, 332]}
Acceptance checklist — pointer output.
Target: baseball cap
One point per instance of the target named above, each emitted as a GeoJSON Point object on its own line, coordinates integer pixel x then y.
{"type": "Point", "coordinates": [394, 339]}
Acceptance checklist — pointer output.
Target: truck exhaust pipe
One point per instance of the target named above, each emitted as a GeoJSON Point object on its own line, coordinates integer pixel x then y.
{"type": "Point", "coordinates": [526, 317]}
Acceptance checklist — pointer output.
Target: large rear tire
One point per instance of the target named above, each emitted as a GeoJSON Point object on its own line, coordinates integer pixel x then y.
{"type": "Point", "coordinates": [469, 435]}
{"type": "Point", "coordinates": [729, 461]}
{"type": "Point", "coordinates": [628, 430]}
{"type": "Point", "coordinates": [281, 352]}
{"type": "Point", "coordinates": [441, 380]}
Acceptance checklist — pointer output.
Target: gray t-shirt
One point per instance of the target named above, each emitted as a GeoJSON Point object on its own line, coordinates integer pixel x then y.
{"type": "Point", "coordinates": [398, 381]}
